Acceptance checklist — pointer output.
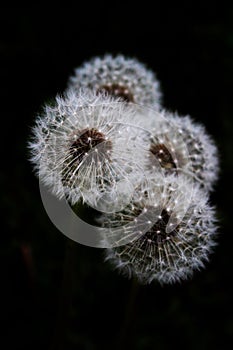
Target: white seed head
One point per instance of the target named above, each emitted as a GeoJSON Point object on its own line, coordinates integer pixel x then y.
{"type": "Point", "coordinates": [179, 145]}
{"type": "Point", "coordinates": [169, 241]}
{"type": "Point", "coordinates": [120, 77]}
{"type": "Point", "coordinates": [83, 148]}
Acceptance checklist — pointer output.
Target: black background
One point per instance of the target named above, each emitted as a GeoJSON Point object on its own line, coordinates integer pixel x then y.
{"type": "Point", "coordinates": [190, 47]}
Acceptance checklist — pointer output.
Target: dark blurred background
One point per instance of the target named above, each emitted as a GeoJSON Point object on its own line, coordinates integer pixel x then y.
{"type": "Point", "coordinates": [190, 47]}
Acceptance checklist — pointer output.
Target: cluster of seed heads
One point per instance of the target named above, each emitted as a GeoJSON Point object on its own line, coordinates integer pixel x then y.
{"type": "Point", "coordinates": [109, 143]}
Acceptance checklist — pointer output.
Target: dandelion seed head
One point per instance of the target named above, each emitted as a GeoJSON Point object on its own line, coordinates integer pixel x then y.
{"type": "Point", "coordinates": [178, 145]}
{"type": "Point", "coordinates": [161, 255]}
{"type": "Point", "coordinates": [120, 77]}
{"type": "Point", "coordinates": [82, 148]}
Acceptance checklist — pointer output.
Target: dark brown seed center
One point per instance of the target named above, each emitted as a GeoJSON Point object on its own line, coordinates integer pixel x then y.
{"type": "Point", "coordinates": [85, 141]}
{"type": "Point", "coordinates": [162, 154]}
{"type": "Point", "coordinates": [157, 234]}
{"type": "Point", "coordinates": [117, 90]}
